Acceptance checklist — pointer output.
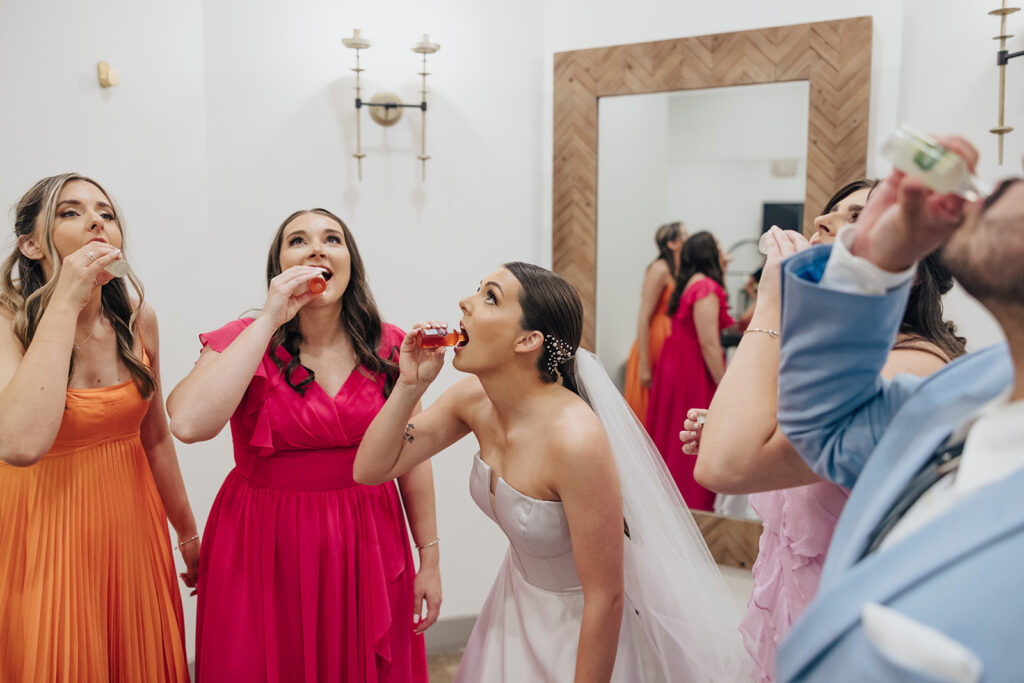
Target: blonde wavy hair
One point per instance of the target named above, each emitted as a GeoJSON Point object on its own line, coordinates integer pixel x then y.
{"type": "Point", "coordinates": [25, 291]}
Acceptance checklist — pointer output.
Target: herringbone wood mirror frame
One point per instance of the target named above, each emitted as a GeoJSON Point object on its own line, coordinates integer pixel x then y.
{"type": "Point", "coordinates": [834, 56]}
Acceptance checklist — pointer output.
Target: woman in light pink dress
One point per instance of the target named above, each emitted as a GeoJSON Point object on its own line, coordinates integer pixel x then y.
{"type": "Point", "coordinates": [306, 575]}
{"type": "Point", "coordinates": [741, 449]}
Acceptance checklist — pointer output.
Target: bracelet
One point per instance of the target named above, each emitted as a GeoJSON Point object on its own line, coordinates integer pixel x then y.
{"type": "Point", "coordinates": [774, 334]}
{"type": "Point", "coordinates": [187, 541]}
{"type": "Point", "coordinates": [427, 545]}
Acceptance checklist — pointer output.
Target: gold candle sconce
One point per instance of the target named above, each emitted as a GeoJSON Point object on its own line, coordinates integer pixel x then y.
{"type": "Point", "coordinates": [385, 108]}
{"type": "Point", "coordinates": [1002, 57]}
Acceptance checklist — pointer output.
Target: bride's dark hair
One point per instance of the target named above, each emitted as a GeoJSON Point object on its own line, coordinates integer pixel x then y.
{"type": "Point", "coordinates": [552, 307]}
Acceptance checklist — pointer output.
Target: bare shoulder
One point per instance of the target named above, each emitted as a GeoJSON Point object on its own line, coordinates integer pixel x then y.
{"type": "Point", "coordinates": [921, 359]}
{"type": "Point", "coordinates": [9, 342]}
{"type": "Point", "coordinates": [576, 437]}
{"type": "Point", "coordinates": [465, 398]}
{"type": "Point", "coordinates": [659, 269]}
{"type": "Point", "coordinates": [148, 324]}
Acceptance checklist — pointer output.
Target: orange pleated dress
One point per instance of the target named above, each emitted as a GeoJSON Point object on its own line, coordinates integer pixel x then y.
{"type": "Point", "coordinates": [636, 393]}
{"type": "Point", "coordinates": [88, 590]}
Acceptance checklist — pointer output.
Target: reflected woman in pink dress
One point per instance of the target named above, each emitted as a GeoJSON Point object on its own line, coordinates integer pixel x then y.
{"type": "Point", "coordinates": [741, 449]}
{"type": "Point", "coordinates": [692, 360]}
{"type": "Point", "coordinates": [306, 575]}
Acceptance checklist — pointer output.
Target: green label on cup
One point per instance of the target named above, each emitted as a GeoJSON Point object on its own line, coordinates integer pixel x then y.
{"type": "Point", "coordinates": [929, 155]}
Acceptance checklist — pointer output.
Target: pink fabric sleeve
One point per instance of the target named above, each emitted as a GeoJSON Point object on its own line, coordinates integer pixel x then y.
{"type": "Point", "coordinates": [391, 336]}
{"type": "Point", "coordinates": [221, 338]}
{"type": "Point", "coordinates": [700, 289]}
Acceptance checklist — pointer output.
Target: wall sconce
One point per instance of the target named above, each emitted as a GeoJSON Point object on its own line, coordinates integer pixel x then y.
{"type": "Point", "coordinates": [1002, 57]}
{"type": "Point", "coordinates": [385, 107]}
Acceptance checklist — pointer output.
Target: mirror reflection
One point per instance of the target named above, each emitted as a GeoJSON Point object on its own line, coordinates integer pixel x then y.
{"type": "Point", "coordinates": [687, 183]}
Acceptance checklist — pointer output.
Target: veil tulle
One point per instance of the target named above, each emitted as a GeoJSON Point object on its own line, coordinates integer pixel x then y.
{"type": "Point", "coordinates": [687, 612]}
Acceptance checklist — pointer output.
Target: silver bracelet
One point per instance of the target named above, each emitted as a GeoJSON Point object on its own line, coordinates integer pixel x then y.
{"type": "Point", "coordinates": [427, 545]}
{"type": "Point", "coordinates": [187, 541]}
{"type": "Point", "coordinates": [774, 334]}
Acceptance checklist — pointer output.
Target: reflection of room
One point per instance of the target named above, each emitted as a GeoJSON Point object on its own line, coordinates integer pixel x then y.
{"type": "Point", "coordinates": [712, 159]}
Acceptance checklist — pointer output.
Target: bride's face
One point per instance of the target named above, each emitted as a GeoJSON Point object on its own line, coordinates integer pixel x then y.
{"type": "Point", "coordinates": [491, 318]}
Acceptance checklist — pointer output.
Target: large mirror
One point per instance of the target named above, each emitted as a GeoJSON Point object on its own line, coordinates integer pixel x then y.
{"type": "Point", "coordinates": [731, 161]}
{"type": "Point", "coordinates": [830, 61]}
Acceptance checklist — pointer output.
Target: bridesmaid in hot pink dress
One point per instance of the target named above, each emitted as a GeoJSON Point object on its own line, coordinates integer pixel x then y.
{"type": "Point", "coordinates": [306, 575]}
{"type": "Point", "coordinates": [692, 361]}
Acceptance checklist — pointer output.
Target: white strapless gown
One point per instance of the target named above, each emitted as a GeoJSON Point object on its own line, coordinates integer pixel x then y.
{"type": "Point", "coordinates": [529, 628]}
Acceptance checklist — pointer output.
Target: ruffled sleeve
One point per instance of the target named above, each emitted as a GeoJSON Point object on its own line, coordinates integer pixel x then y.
{"type": "Point", "coordinates": [707, 287]}
{"type": "Point", "coordinates": [391, 337]}
{"type": "Point", "coordinates": [221, 338]}
{"type": "Point", "coordinates": [700, 289]}
{"type": "Point", "coordinates": [250, 415]}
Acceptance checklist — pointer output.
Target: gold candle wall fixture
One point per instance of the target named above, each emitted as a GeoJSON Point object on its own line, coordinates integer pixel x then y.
{"type": "Point", "coordinates": [1002, 57]}
{"type": "Point", "coordinates": [385, 108]}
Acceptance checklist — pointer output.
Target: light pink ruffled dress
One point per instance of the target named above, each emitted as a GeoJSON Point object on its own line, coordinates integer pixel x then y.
{"type": "Point", "coordinates": [798, 527]}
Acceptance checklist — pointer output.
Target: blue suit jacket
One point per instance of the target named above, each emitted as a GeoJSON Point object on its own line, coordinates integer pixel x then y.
{"type": "Point", "coordinates": [963, 573]}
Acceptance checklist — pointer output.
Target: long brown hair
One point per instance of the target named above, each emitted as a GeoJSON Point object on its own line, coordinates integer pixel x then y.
{"type": "Point", "coordinates": [699, 255]}
{"type": "Point", "coordinates": [359, 315]}
{"type": "Point", "coordinates": [25, 291]}
{"type": "Point", "coordinates": [669, 232]}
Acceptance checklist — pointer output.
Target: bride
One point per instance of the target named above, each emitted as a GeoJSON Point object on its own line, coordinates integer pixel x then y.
{"type": "Point", "coordinates": [607, 577]}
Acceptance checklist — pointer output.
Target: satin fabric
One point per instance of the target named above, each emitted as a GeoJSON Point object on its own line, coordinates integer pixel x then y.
{"type": "Point", "coordinates": [637, 395]}
{"type": "Point", "coordinates": [529, 627]}
{"type": "Point", "coordinates": [87, 581]}
{"type": "Point", "coordinates": [681, 382]}
{"type": "Point", "coordinates": [305, 575]}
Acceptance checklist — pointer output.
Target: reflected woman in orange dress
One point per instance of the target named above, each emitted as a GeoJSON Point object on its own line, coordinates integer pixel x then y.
{"type": "Point", "coordinates": [88, 472]}
{"type": "Point", "coordinates": [653, 323]}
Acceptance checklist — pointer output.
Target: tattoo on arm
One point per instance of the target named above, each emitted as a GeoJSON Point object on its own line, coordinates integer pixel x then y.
{"type": "Point", "coordinates": [407, 436]}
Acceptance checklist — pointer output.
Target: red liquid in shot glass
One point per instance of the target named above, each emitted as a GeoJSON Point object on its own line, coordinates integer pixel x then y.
{"type": "Point", "coordinates": [317, 284]}
{"type": "Point", "coordinates": [436, 337]}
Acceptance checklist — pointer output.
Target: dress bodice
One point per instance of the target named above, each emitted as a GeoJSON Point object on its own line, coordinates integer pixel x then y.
{"type": "Point", "coordinates": [537, 530]}
{"type": "Point", "coordinates": [301, 441]}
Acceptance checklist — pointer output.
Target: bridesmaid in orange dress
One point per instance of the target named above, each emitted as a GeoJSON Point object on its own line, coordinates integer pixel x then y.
{"type": "Point", "coordinates": [653, 323]}
{"type": "Point", "coordinates": [88, 472]}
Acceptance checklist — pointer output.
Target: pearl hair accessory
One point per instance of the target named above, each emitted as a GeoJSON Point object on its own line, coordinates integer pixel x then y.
{"type": "Point", "coordinates": [558, 352]}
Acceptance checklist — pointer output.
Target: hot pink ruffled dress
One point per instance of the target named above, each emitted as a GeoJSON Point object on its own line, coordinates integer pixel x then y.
{"type": "Point", "coordinates": [798, 527]}
{"type": "Point", "coordinates": [304, 574]}
{"type": "Point", "coordinates": [681, 381]}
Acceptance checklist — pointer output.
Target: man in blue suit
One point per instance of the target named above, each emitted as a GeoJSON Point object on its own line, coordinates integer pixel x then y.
{"type": "Point", "coordinates": [924, 579]}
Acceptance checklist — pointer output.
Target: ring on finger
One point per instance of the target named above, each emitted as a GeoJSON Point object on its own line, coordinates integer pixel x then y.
{"type": "Point", "coordinates": [91, 255]}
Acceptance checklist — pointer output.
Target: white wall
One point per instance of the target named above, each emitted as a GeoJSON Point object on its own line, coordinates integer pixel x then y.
{"type": "Point", "coordinates": [738, 124]}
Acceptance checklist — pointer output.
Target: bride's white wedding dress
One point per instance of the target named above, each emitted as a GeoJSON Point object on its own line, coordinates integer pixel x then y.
{"type": "Point", "coordinates": [529, 626]}
{"type": "Point", "coordinates": [679, 621]}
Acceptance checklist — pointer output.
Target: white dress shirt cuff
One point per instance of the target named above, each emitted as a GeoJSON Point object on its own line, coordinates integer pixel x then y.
{"type": "Point", "coordinates": [845, 272]}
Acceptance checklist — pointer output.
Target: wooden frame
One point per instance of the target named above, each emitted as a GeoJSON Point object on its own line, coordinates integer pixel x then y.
{"type": "Point", "coordinates": [834, 56]}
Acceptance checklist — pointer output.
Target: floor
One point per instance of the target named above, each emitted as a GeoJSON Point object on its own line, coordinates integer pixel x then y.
{"type": "Point", "coordinates": [443, 666]}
